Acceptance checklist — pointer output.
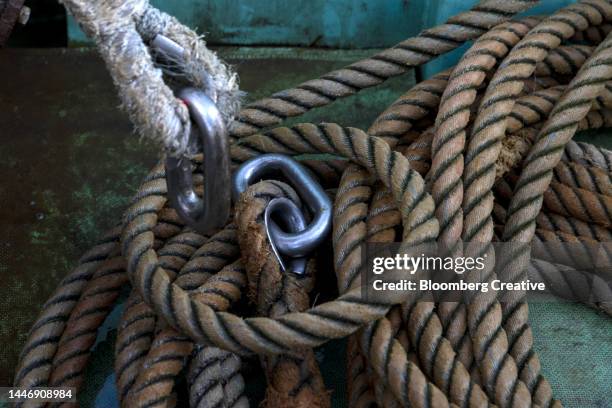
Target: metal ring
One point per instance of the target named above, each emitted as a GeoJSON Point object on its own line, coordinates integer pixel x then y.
{"type": "Point", "coordinates": [171, 52]}
{"type": "Point", "coordinates": [293, 244]}
{"type": "Point", "coordinates": [212, 211]}
{"type": "Point", "coordinates": [293, 220]}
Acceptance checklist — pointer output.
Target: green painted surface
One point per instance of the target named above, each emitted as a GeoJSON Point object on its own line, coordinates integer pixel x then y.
{"type": "Point", "coordinates": [436, 12]}
{"type": "Point", "coordinates": [312, 23]}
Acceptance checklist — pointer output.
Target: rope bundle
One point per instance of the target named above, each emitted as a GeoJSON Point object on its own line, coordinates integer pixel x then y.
{"type": "Point", "coordinates": [479, 153]}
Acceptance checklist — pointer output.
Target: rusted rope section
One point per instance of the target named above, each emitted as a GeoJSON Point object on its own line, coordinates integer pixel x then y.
{"type": "Point", "coordinates": [376, 69]}
{"type": "Point", "coordinates": [293, 380]}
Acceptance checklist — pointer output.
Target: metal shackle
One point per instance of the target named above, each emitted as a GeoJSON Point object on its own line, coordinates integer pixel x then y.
{"type": "Point", "coordinates": [212, 211]}
{"type": "Point", "coordinates": [293, 220]}
{"type": "Point", "coordinates": [293, 244]}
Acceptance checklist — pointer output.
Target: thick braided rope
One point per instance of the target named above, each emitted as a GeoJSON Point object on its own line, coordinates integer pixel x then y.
{"type": "Point", "coordinates": [516, 145]}
{"type": "Point", "coordinates": [136, 329]}
{"type": "Point", "coordinates": [436, 354]}
{"type": "Point", "coordinates": [122, 30]}
{"type": "Point", "coordinates": [452, 376]}
{"type": "Point", "coordinates": [585, 153]}
{"type": "Point", "coordinates": [581, 285]}
{"type": "Point", "coordinates": [169, 350]}
{"type": "Point", "coordinates": [303, 329]}
{"type": "Point", "coordinates": [202, 275]}
{"type": "Point", "coordinates": [285, 134]}
{"type": "Point", "coordinates": [377, 223]}
{"type": "Point", "coordinates": [376, 69]}
{"type": "Point", "coordinates": [576, 202]}
{"type": "Point", "coordinates": [567, 172]}
{"type": "Point", "coordinates": [449, 141]}
{"type": "Point", "coordinates": [537, 173]}
{"type": "Point", "coordinates": [479, 175]}
{"type": "Point", "coordinates": [214, 379]}
{"type": "Point", "coordinates": [221, 291]}
{"type": "Point", "coordinates": [377, 390]}
{"type": "Point", "coordinates": [382, 219]}
{"type": "Point", "coordinates": [82, 12]}
{"type": "Point", "coordinates": [169, 300]}
{"type": "Point", "coordinates": [432, 336]}
{"type": "Point", "coordinates": [570, 250]}
{"type": "Point", "coordinates": [420, 101]}
{"type": "Point", "coordinates": [80, 333]}
{"type": "Point", "coordinates": [37, 354]}
{"type": "Point", "coordinates": [555, 222]}
{"type": "Point", "coordinates": [557, 270]}
{"type": "Point", "coordinates": [447, 161]}
{"type": "Point", "coordinates": [593, 35]}
{"type": "Point", "coordinates": [359, 389]}
{"type": "Point", "coordinates": [295, 380]}
{"type": "Point", "coordinates": [94, 306]}
{"type": "Point", "coordinates": [35, 363]}
{"type": "Point", "coordinates": [453, 118]}
{"type": "Point", "coordinates": [379, 213]}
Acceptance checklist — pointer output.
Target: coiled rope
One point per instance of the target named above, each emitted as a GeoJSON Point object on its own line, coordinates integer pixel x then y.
{"type": "Point", "coordinates": [477, 153]}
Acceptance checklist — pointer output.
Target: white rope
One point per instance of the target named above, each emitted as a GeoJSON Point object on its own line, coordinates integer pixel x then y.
{"type": "Point", "coordinates": [122, 29]}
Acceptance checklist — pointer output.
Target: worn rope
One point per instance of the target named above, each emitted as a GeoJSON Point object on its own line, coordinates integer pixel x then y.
{"type": "Point", "coordinates": [293, 380]}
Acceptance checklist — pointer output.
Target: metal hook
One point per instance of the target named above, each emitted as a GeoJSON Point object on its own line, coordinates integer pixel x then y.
{"type": "Point", "coordinates": [212, 211]}
{"type": "Point", "coordinates": [293, 219]}
{"type": "Point", "coordinates": [292, 244]}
